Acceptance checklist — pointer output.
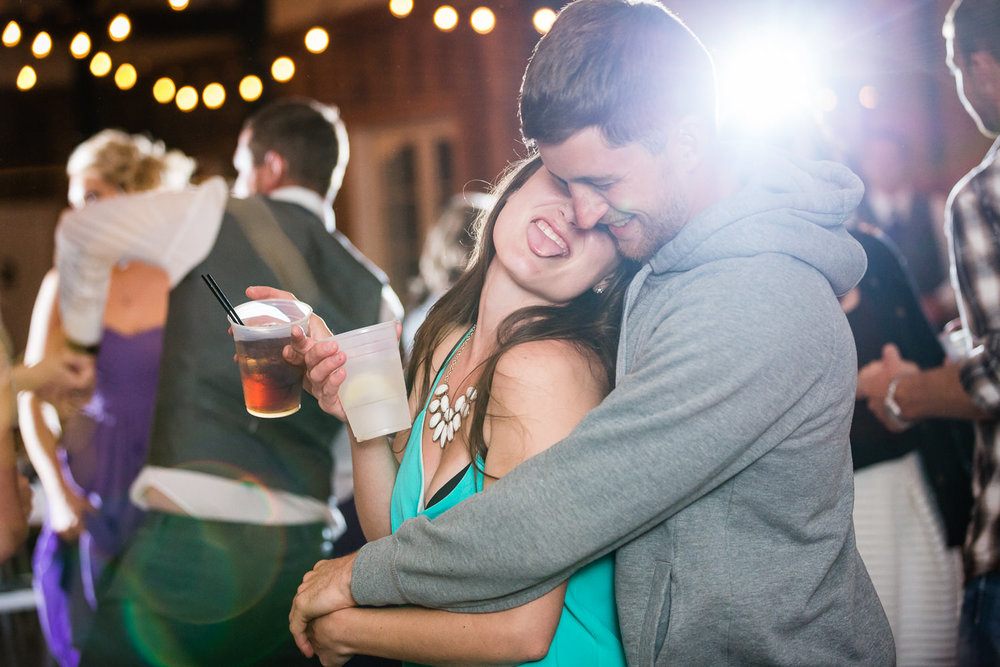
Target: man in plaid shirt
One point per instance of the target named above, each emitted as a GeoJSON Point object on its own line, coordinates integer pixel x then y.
{"type": "Point", "coordinates": [901, 394]}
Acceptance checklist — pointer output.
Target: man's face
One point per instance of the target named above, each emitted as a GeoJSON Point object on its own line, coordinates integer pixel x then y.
{"type": "Point", "coordinates": [640, 196]}
{"type": "Point", "coordinates": [247, 174]}
{"type": "Point", "coordinates": [977, 80]}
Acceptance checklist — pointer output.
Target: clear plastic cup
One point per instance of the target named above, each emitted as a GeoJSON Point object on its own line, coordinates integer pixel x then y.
{"type": "Point", "coordinates": [271, 386]}
{"type": "Point", "coordinates": [373, 392]}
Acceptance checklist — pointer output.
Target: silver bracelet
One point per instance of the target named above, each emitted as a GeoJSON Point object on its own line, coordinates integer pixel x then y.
{"type": "Point", "coordinates": [892, 407]}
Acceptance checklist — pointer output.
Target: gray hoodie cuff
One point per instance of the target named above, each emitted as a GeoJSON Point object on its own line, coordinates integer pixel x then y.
{"type": "Point", "coordinates": [373, 574]}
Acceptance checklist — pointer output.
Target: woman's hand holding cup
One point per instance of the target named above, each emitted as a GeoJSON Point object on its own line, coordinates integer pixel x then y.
{"type": "Point", "coordinates": [317, 352]}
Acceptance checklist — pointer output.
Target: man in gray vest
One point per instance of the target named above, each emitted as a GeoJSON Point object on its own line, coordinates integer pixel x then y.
{"type": "Point", "coordinates": [238, 506]}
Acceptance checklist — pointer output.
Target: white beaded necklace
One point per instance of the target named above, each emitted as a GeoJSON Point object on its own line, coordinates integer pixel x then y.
{"type": "Point", "coordinates": [445, 419]}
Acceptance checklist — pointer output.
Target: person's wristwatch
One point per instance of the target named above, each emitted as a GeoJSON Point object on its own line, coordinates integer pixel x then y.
{"type": "Point", "coordinates": [892, 407]}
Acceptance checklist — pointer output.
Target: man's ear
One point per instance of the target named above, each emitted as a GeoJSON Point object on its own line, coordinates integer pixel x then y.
{"type": "Point", "coordinates": [693, 140]}
{"type": "Point", "coordinates": [273, 172]}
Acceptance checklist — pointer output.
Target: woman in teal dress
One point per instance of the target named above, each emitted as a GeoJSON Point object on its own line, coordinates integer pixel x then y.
{"type": "Point", "coordinates": [507, 362]}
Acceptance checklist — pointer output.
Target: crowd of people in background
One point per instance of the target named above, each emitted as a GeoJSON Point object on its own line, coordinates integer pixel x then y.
{"type": "Point", "coordinates": [740, 399]}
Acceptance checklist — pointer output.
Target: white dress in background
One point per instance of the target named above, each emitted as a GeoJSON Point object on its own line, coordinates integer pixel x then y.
{"type": "Point", "coordinates": [917, 577]}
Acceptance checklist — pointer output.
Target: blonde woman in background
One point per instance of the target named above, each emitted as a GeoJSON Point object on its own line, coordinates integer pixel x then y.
{"type": "Point", "coordinates": [86, 460]}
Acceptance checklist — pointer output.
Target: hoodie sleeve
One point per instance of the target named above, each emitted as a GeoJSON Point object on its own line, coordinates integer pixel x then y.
{"type": "Point", "coordinates": [723, 371]}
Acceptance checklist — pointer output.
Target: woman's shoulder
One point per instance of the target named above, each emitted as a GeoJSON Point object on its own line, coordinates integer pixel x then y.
{"type": "Point", "coordinates": [550, 365]}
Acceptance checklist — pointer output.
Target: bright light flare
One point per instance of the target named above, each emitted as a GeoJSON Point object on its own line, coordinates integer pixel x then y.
{"type": "Point", "coordinates": [868, 97]}
{"type": "Point", "coordinates": [178, 5]}
{"type": "Point", "coordinates": [767, 81]}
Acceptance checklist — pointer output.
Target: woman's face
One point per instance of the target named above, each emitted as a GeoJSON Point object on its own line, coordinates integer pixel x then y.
{"type": "Point", "coordinates": [87, 187]}
{"type": "Point", "coordinates": [539, 245]}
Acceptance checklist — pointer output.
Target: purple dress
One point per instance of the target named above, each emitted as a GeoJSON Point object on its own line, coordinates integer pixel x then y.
{"type": "Point", "coordinates": [103, 448]}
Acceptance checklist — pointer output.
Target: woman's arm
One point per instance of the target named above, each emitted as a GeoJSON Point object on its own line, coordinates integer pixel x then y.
{"type": "Point", "coordinates": [39, 422]}
{"type": "Point", "coordinates": [540, 391]}
{"type": "Point", "coordinates": [434, 637]}
{"type": "Point", "coordinates": [375, 464]}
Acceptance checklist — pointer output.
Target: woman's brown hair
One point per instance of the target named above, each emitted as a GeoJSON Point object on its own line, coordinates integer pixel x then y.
{"type": "Point", "coordinates": [591, 320]}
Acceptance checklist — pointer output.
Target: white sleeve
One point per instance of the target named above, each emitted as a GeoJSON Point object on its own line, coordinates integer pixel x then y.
{"type": "Point", "coordinates": [391, 307]}
{"type": "Point", "coordinates": [173, 230]}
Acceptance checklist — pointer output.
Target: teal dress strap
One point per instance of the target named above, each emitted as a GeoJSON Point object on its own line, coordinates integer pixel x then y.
{"type": "Point", "coordinates": [408, 492]}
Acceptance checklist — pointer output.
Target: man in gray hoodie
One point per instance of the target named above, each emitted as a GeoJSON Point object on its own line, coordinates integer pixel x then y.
{"type": "Point", "coordinates": [719, 467]}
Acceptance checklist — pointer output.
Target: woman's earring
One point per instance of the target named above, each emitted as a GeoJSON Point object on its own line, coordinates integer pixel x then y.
{"type": "Point", "coordinates": [601, 286]}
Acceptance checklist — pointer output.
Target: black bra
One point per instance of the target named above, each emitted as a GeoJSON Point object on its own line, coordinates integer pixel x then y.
{"type": "Point", "coordinates": [447, 488]}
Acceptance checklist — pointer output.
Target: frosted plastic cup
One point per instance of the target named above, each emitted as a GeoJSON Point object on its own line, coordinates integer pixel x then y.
{"type": "Point", "coordinates": [272, 387]}
{"type": "Point", "coordinates": [373, 393]}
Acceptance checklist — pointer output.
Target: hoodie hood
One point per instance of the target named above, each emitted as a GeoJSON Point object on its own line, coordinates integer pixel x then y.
{"type": "Point", "coordinates": [787, 205]}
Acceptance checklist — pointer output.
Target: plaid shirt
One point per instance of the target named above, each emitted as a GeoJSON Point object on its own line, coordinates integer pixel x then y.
{"type": "Point", "coordinates": [973, 225]}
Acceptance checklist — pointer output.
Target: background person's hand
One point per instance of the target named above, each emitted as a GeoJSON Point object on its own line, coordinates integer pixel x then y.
{"type": "Point", "coordinates": [65, 379]}
{"type": "Point", "coordinates": [324, 589]}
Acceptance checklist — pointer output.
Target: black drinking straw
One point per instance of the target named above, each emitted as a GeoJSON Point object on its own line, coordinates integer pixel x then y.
{"type": "Point", "coordinates": [221, 296]}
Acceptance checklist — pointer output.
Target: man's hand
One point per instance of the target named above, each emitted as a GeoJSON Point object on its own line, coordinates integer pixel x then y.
{"type": "Point", "coordinates": [873, 384]}
{"type": "Point", "coordinates": [325, 589]}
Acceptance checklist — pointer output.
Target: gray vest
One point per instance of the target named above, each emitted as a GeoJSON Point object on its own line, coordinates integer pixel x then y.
{"type": "Point", "coordinates": [200, 422]}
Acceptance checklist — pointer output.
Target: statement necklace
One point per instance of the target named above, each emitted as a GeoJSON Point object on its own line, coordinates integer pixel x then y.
{"type": "Point", "coordinates": [445, 419]}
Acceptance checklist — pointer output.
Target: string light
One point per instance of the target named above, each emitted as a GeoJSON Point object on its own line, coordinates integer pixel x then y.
{"type": "Point", "coordinates": [164, 89]}
{"type": "Point", "coordinates": [119, 28]}
{"type": "Point", "coordinates": [125, 76]}
{"type": "Point", "coordinates": [543, 20]}
{"type": "Point", "coordinates": [12, 34]}
{"type": "Point", "coordinates": [214, 95]}
{"type": "Point", "coordinates": [482, 20]}
{"type": "Point", "coordinates": [251, 87]}
{"type": "Point", "coordinates": [26, 78]}
{"type": "Point", "coordinates": [80, 46]}
{"type": "Point", "coordinates": [42, 45]}
{"type": "Point", "coordinates": [283, 69]}
{"type": "Point", "coordinates": [400, 8]}
{"type": "Point", "coordinates": [446, 18]}
{"type": "Point", "coordinates": [187, 98]}
{"type": "Point", "coordinates": [100, 64]}
{"type": "Point", "coordinates": [317, 40]}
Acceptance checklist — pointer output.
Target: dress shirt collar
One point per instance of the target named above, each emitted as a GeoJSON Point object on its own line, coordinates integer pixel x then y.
{"type": "Point", "coordinates": [309, 200]}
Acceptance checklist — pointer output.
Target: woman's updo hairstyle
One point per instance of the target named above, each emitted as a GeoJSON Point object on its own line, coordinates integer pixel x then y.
{"type": "Point", "coordinates": [131, 162]}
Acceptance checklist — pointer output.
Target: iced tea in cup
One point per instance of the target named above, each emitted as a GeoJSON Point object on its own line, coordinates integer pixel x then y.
{"type": "Point", "coordinates": [272, 387]}
{"type": "Point", "coordinates": [373, 392]}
